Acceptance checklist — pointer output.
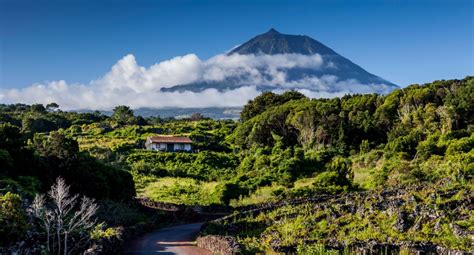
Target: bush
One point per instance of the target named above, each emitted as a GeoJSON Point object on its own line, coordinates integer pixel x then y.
{"type": "Point", "coordinates": [114, 213]}
{"type": "Point", "coordinates": [205, 165]}
{"type": "Point", "coordinates": [6, 162]}
{"type": "Point", "coordinates": [25, 186]}
{"type": "Point", "coordinates": [331, 182]}
{"type": "Point", "coordinates": [464, 144]}
{"type": "Point", "coordinates": [315, 249]}
{"type": "Point", "coordinates": [100, 232]}
{"type": "Point", "coordinates": [13, 219]}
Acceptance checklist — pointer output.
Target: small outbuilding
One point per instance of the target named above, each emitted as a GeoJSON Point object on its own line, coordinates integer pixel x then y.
{"type": "Point", "coordinates": [168, 143]}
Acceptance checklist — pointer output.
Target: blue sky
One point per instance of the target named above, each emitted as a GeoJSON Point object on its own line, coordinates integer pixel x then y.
{"type": "Point", "coordinates": [402, 41]}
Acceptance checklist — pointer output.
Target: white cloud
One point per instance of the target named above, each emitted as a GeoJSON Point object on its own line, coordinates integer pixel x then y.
{"type": "Point", "coordinates": [84, 97]}
{"type": "Point", "coordinates": [127, 74]}
{"type": "Point", "coordinates": [128, 83]}
{"type": "Point", "coordinates": [258, 69]}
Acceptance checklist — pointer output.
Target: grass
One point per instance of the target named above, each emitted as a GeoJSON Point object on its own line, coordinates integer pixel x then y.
{"type": "Point", "coordinates": [362, 176]}
{"type": "Point", "coordinates": [304, 182]}
{"type": "Point", "coordinates": [261, 195]}
{"type": "Point", "coordinates": [88, 142]}
{"type": "Point", "coordinates": [179, 190]}
{"type": "Point", "coordinates": [363, 166]}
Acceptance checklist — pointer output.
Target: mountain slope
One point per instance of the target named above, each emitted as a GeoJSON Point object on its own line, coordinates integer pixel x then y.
{"type": "Point", "coordinates": [333, 74]}
{"type": "Point", "coordinates": [274, 42]}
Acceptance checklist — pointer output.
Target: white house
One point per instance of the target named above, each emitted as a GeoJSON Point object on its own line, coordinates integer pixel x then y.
{"type": "Point", "coordinates": [168, 143]}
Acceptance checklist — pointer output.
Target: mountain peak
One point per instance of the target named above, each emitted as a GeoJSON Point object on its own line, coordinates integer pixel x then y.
{"type": "Point", "coordinates": [274, 42]}
{"type": "Point", "coordinates": [272, 31]}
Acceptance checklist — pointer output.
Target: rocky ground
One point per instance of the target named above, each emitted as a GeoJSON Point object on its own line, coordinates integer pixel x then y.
{"type": "Point", "coordinates": [427, 219]}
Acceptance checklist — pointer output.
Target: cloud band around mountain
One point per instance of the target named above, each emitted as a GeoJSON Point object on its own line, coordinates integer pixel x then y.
{"type": "Point", "coordinates": [128, 83]}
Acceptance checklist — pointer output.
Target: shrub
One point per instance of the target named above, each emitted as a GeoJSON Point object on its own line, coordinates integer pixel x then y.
{"type": "Point", "coordinates": [315, 249]}
{"type": "Point", "coordinates": [331, 182]}
{"type": "Point", "coordinates": [101, 232]}
{"type": "Point", "coordinates": [13, 219]}
{"type": "Point", "coordinates": [464, 144]}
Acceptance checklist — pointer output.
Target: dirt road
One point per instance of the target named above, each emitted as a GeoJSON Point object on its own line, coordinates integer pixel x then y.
{"type": "Point", "coordinates": [172, 240]}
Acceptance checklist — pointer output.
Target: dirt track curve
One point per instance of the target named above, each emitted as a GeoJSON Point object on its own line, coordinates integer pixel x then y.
{"type": "Point", "coordinates": [171, 240]}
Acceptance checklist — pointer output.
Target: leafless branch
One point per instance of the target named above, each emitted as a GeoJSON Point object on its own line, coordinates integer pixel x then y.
{"type": "Point", "coordinates": [63, 215]}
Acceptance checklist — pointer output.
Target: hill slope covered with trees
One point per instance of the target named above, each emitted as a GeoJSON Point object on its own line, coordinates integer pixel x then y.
{"type": "Point", "coordinates": [417, 141]}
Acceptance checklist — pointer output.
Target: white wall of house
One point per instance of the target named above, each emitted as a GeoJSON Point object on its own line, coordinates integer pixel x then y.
{"type": "Point", "coordinates": [162, 146]}
{"type": "Point", "coordinates": [182, 147]}
{"type": "Point", "coordinates": [187, 147]}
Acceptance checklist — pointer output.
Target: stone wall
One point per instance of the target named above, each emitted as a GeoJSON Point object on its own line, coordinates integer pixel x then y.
{"type": "Point", "coordinates": [221, 245]}
{"type": "Point", "coordinates": [366, 203]}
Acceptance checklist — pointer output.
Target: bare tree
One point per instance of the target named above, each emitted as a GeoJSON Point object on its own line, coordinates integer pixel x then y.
{"type": "Point", "coordinates": [81, 219]}
{"type": "Point", "coordinates": [63, 216]}
{"type": "Point", "coordinates": [46, 216]}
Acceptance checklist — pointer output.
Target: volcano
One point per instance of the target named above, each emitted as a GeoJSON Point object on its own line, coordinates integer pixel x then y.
{"type": "Point", "coordinates": [273, 58]}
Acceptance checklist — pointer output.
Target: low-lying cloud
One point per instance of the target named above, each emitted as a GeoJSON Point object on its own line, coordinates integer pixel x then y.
{"type": "Point", "coordinates": [128, 83]}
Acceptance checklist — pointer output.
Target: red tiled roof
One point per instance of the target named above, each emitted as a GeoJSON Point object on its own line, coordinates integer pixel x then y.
{"type": "Point", "coordinates": [169, 139]}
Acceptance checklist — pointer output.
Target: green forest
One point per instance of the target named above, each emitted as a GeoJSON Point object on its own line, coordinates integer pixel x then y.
{"type": "Point", "coordinates": [416, 142]}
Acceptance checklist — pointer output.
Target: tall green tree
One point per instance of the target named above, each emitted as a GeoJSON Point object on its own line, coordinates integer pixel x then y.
{"type": "Point", "coordinates": [123, 115]}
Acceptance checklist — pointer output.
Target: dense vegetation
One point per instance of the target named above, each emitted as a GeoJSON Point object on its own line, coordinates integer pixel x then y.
{"type": "Point", "coordinates": [417, 142]}
{"type": "Point", "coordinates": [410, 219]}
{"type": "Point", "coordinates": [284, 146]}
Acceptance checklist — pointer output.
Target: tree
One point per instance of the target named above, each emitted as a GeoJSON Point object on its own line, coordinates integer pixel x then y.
{"type": "Point", "coordinates": [291, 95]}
{"type": "Point", "coordinates": [6, 162]}
{"type": "Point", "coordinates": [39, 108]}
{"type": "Point", "coordinates": [56, 145]}
{"type": "Point", "coordinates": [196, 116]}
{"type": "Point", "coordinates": [141, 121]}
{"type": "Point", "coordinates": [266, 100]}
{"type": "Point", "coordinates": [123, 114]}
{"type": "Point", "coordinates": [258, 105]}
{"type": "Point", "coordinates": [63, 217]}
{"type": "Point", "coordinates": [37, 124]}
{"type": "Point", "coordinates": [52, 107]}
{"type": "Point", "coordinates": [10, 137]}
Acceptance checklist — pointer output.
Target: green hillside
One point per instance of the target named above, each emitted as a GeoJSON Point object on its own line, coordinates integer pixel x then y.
{"type": "Point", "coordinates": [417, 141]}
